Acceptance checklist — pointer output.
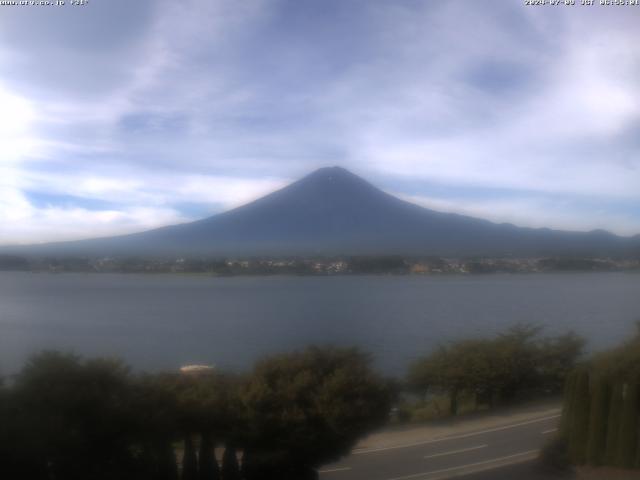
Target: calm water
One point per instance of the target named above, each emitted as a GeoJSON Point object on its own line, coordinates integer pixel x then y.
{"type": "Point", "coordinates": [165, 321]}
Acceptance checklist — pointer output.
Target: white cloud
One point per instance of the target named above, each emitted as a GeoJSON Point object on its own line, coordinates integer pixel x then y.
{"type": "Point", "coordinates": [137, 205]}
{"type": "Point", "coordinates": [135, 187]}
{"type": "Point", "coordinates": [486, 162]}
{"type": "Point", "coordinates": [24, 223]}
{"type": "Point", "coordinates": [540, 212]}
{"type": "Point", "coordinates": [219, 103]}
{"type": "Point", "coordinates": [16, 120]}
{"type": "Point", "coordinates": [562, 133]}
{"type": "Point", "coordinates": [226, 191]}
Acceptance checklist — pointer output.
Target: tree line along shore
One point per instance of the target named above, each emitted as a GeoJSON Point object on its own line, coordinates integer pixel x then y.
{"type": "Point", "coordinates": [343, 265]}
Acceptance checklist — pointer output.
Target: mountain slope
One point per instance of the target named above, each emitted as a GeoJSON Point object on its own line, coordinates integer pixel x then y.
{"type": "Point", "coordinates": [333, 211]}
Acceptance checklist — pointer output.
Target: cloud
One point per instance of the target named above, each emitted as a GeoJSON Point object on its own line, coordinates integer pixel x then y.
{"type": "Point", "coordinates": [162, 105]}
{"type": "Point", "coordinates": [23, 223]}
{"type": "Point", "coordinates": [16, 118]}
{"type": "Point", "coordinates": [161, 188]}
{"type": "Point", "coordinates": [562, 214]}
{"type": "Point", "coordinates": [562, 132]}
{"type": "Point", "coordinates": [84, 206]}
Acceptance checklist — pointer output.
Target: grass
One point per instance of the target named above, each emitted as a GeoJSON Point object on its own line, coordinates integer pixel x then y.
{"type": "Point", "coordinates": [435, 407]}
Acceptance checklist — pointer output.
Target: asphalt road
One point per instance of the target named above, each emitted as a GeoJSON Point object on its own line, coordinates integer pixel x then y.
{"type": "Point", "coordinates": [520, 471]}
{"type": "Point", "coordinates": [469, 453]}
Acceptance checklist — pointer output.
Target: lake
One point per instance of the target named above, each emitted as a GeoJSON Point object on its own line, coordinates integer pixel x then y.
{"type": "Point", "coordinates": [165, 321]}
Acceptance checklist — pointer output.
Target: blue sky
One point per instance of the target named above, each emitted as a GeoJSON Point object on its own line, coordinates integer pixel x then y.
{"type": "Point", "coordinates": [125, 115]}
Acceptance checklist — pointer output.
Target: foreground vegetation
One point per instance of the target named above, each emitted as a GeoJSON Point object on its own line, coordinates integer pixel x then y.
{"type": "Point", "coordinates": [480, 373]}
{"type": "Point", "coordinates": [601, 415]}
{"type": "Point", "coordinates": [63, 417]}
{"type": "Point", "coordinates": [67, 418]}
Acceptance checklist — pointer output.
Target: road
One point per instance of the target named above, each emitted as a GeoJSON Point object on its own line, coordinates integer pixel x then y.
{"type": "Point", "coordinates": [445, 457]}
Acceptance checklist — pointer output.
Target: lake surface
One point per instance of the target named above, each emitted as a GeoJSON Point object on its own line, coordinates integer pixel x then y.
{"type": "Point", "coordinates": [165, 321]}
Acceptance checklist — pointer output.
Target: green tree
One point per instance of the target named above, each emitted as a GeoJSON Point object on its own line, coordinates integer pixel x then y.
{"type": "Point", "coordinates": [628, 430]}
{"type": "Point", "coordinates": [557, 356]}
{"type": "Point", "coordinates": [596, 446]}
{"type": "Point", "coordinates": [517, 364]}
{"type": "Point", "coordinates": [206, 406]}
{"type": "Point", "coordinates": [77, 417]}
{"type": "Point", "coordinates": [613, 423]}
{"type": "Point", "coordinates": [465, 366]}
{"type": "Point", "coordinates": [436, 371]}
{"type": "Point", "coordinates": [308, 408]}
{"type": "Point", "coordinates": [567, 405]}
{"type": "Point", "coordinates": [502, 368]}
{"type": "Point", "coordinates": [206, 403]}
{"type": "Point", "coordinates": [578, 437]}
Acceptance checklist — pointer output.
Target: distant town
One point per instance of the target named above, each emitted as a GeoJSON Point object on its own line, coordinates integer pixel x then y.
{"type": "Point", "coordinates": [318, 266]}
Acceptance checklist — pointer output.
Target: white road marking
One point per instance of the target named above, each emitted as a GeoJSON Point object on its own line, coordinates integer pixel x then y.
{"type": "Point", "coordinates": [453, 452]}
{"type": "Point", "coordinates": [454, 437]}
{"type": "Point", "coordinates": [331, 470]}
{"type": "Point", "coordinates": [551, 430]}
{"type": "Point", "coordinates": [469, 465]}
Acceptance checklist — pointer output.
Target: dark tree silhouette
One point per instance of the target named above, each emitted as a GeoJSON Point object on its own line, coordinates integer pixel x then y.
{"type": "Point", "coordinates": [77, 418]}
{"type": "Point", "coordinates": [249, 468]}
{"type": "Point", "coordinates": [72, 419]}
{"type": "Point", "coordinates": [189, 460]}
{"type": "Point", "coordinates": [230, 467]}
{"type": "Point", "coordinates": [208, 468]}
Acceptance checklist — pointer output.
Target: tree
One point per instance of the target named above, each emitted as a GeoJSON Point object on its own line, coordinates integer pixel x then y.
{"type": "Point", "coordinates": [557, 356]}
{"type": "Point", "coordinates": [205, 403]}
{"type": "Point", "coordinates": [154, 409]}
{"type": "Point", "coordinates": [567, 405]}
{"type": "Point", "coordinates": [378, 264]}
{"type": "Point", "coordinates": [628, 430]}
{"type": "Point", "coordinates": [600, 418]}
{"type": "Point", "coordinates": [205, 407]}
{"type": "Point", "coordinates": [435, 372]}
{"type": "Point", "coordinates": [517, 360]}
{"type": "Point", "coordinates": [165, 467]}
{"type": "Point", "coordinates": [77, 417]}
{"type": "Point", "coordinates": [461, 366]}
{"type": "Point", "coordinates": [601, 394]}
{"type": "Point", "coordinates": [308, 408]}
{"type": "Point", "coordinates": [189, 460]}
{"type": "Point", "coordinates": [249, 468]}
{"type": "Point", "coordinates": [580, 419]}
{"type": "Point", "coordinates": [19, 460]}
{"type": "Point", "coordinates": [208, 468]}
{"type": "Point", "coordinates": [613, 423]}
{"type": "Point", "coordinates": [502, 368]}
{"type": "Point", "coordinates": [230, 467]}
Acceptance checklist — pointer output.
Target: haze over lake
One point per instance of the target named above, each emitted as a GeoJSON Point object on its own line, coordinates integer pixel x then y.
{"type": "Point", "coordinates": [165, 321]}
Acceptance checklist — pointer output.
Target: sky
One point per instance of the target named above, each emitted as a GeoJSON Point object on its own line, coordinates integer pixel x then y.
{"type": "Point", "coordinates": [119, 115]}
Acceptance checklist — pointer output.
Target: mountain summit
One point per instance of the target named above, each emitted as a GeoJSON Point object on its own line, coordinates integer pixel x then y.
{"type": "Point", "coordinates": [333, 211]}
